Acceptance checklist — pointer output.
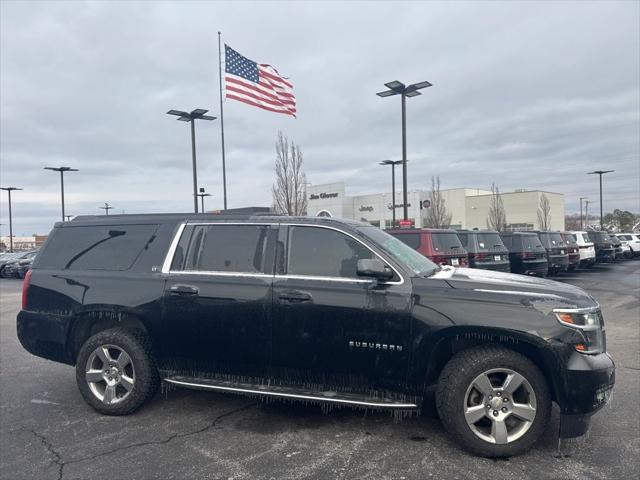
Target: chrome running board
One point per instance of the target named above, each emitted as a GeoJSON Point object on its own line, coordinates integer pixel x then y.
{"type": "Point", "coordinates": [291, 393]}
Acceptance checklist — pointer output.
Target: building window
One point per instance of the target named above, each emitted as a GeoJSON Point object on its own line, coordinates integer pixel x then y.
{"type": "Point", "coordinates": [519, 227]}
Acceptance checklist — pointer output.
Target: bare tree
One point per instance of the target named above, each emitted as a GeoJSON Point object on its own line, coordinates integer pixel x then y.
{"type": "Point", "coordinates": [544, 213]}
{"type": "Point", "coordinates": [437, 215]}
{"type": "Point", "coordinates": [497, 219]}
{"type": "Point", "coordinates": [289, 193]}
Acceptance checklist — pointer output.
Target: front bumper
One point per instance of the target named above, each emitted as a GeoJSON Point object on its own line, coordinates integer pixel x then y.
{"type": "Point", "coordinates": [44, 335]}
{"type": "Point", "coordinates": [585, 387]}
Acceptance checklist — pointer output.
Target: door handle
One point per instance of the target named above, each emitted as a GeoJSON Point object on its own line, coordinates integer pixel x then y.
{"type": "Point", "coordinates": [183, 290]}
{"type": "Point", "coordinates": [294, 297]}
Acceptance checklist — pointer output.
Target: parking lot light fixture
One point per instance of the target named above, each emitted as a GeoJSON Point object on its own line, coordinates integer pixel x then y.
{"type": "Point", "coordinates": [197, 114]}
{"type": "Point", "coordinates": [396, 87]}
{"type": "Point", "coordinates": [62, 170]}
{"type": "Point", "coordinates": [393, 164]}
{"type": "Point", "coordinates": [9, 190]}
{"type": "Point", "coordinates": [600, 173]}
{"type": "Point", "coordinates": [106, 208]}
{"type": "Point", "coordinates": [202, 194]}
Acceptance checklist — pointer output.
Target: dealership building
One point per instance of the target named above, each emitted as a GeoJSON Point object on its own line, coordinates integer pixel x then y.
{"type": "Point", "coordinates": [469, 206]}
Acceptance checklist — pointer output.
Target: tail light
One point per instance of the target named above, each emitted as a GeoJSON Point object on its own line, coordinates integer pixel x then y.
{"type": "Point", "coordinates": [439, 260]}
{"type": "Point", "coordinates": [25, 289]}
{"type": "Point", "coordinates": [481, 256]}
{"type": "Point", "coordinates": [527, 255]}
{"type": "Point", "coordinates": [464, 261]}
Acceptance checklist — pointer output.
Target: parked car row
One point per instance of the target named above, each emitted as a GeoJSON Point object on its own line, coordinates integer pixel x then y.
{"type": "Point", "coordinates": [529, 253]}
{"type": "Point", "coordinates": [16, 264]}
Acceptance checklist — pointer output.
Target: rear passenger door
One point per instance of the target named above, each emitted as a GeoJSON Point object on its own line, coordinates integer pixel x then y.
{"type": "Point", "coordinates": [332, 327]}
{"type": "Point", "coordinates": [218, 300]}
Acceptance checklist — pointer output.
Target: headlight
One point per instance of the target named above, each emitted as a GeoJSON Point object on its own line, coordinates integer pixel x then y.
{"type": "Point", "coordinates": [588, 323]}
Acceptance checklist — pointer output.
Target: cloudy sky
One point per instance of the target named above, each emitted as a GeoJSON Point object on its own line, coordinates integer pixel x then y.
{"type": "Point", "coordinates": [529, 95]}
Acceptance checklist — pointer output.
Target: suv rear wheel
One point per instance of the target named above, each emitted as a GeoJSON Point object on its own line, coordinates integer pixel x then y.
{"type": "Point", "coordinates": [493, 401]}
{"type": "Point", "coordinates": [115, 371]}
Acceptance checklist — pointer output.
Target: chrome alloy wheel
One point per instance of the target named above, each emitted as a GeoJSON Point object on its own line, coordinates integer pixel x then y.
{"type": "Point", "coordinates": [500, 406]}
{"type": "Point", "coordinates": [110, 374]}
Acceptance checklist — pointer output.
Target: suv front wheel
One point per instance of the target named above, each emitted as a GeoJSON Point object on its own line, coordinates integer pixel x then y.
{"type": "Point", "coordinates": [115, 371]}
{"type": "Point", "coordinates": [493, 401]}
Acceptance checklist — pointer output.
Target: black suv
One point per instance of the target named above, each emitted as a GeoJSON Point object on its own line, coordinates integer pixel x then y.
{"type": "Point", "coordinates": [316, 309]}
{"type": "Point", "coordinates": [526, 253]}
{"type": "Point", "coordinates": [605, 251]}
{"type": "Point", "coordinates": [557, 251]}
{"type": "Point", "coordinates": [485, 249]}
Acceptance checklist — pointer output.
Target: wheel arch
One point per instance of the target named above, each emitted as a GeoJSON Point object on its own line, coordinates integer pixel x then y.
{"type": "Point", "coordinates": [453, 340]}
{"type": "Point", "coordinates": [99, 318]}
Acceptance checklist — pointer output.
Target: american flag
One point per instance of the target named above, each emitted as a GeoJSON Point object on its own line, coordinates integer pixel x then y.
{"type": "Point", "coordinates": [257, 84]}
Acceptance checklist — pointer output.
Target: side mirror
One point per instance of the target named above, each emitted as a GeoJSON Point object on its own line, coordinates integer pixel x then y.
{"type": "Point", "coordinates": [374, 268]}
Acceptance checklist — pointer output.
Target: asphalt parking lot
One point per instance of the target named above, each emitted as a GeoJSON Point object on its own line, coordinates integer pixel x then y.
{"type": "Point", "coordinates": [48, 432]}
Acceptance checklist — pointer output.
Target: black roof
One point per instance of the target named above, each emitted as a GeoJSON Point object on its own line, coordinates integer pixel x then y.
{"type": "Point", "coordinates": [203, 217]}
{"type": "Point", "coordinates": [528, 232]}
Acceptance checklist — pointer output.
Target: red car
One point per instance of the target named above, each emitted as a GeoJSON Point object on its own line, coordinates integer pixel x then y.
{"type": "Point", "coordinates": [440, 246]}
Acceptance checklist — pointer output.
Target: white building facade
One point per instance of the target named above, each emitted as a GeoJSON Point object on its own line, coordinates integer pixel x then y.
{"type": "Point", "coordinates": [469, 207]}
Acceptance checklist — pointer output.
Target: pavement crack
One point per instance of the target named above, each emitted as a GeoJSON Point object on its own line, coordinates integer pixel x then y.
{"type": "Point", "coordinates": [57, 459]}
{"type": "Point", "coordinates": [170, 438]}
{"type": "Point", "coordinates": [630, 368]}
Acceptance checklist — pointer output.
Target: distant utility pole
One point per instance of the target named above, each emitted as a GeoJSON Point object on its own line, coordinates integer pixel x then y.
{"type": "Point", "coordinates": [581, 222]}
{"type": "Point", "coordinates": [106, 208]}
{"type": "Point", "coordinates": [586, 211]}
{"type": "Point", "coordinates": [9, 190]}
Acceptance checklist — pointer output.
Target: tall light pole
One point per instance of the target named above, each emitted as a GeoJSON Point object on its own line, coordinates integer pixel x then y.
{"type": "Point", "coordinates": [399, 88]}
{"type": "Point", "coordinates": [202, 195]}
{"type": "Point", "coordinates": [600, 173]}
{"type": "Point", "coordinates": [393, 186]}
{"type": "Point", "coordinates": [197, 114]}
{"type": "Point", "coordinates": [581, 222]}
{"type": "Point", "coordinates": [106, 208]}
{"type": "Point", "coordinates": [62, 170]}
{"type": "Point", "coordinates": [9, 190]}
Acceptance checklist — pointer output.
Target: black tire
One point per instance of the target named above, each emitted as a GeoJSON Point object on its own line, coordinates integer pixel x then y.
{"type": "Point", "coordinates": [137, 346]}
{"type": "Point", "coordinates": [451, 397]}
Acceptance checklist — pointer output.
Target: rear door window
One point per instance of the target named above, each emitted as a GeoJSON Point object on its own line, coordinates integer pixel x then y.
{"type": "Point", "coordinates": [531, 242]}
{"type": "Point", "coordinates": [227, 248]}
{"type": "Point", "coordinates": [446, 242]}
{"type": "Point", "coordinates": [96, 247]}
{"type": "Point", "coordinates": [324, 252]}
{"type": "Point", "coordinates": [489, 241]}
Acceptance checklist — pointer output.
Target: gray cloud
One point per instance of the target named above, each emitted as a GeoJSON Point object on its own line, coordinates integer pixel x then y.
{"type": "Point", "coordinates": [528, 95]}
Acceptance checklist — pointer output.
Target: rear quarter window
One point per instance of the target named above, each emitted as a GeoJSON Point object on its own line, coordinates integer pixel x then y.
{"type": "Point", "coordinates": [96, 247]}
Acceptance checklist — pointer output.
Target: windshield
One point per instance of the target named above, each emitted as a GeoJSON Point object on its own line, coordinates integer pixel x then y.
{"type": "Point", "coordinates": [417, 263]}
{"type": "Point", "coordinates": [488, 241]}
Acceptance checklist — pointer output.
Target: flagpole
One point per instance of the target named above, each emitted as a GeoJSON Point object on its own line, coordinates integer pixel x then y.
{"type": "Point", "coordinates": [224, 170]}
